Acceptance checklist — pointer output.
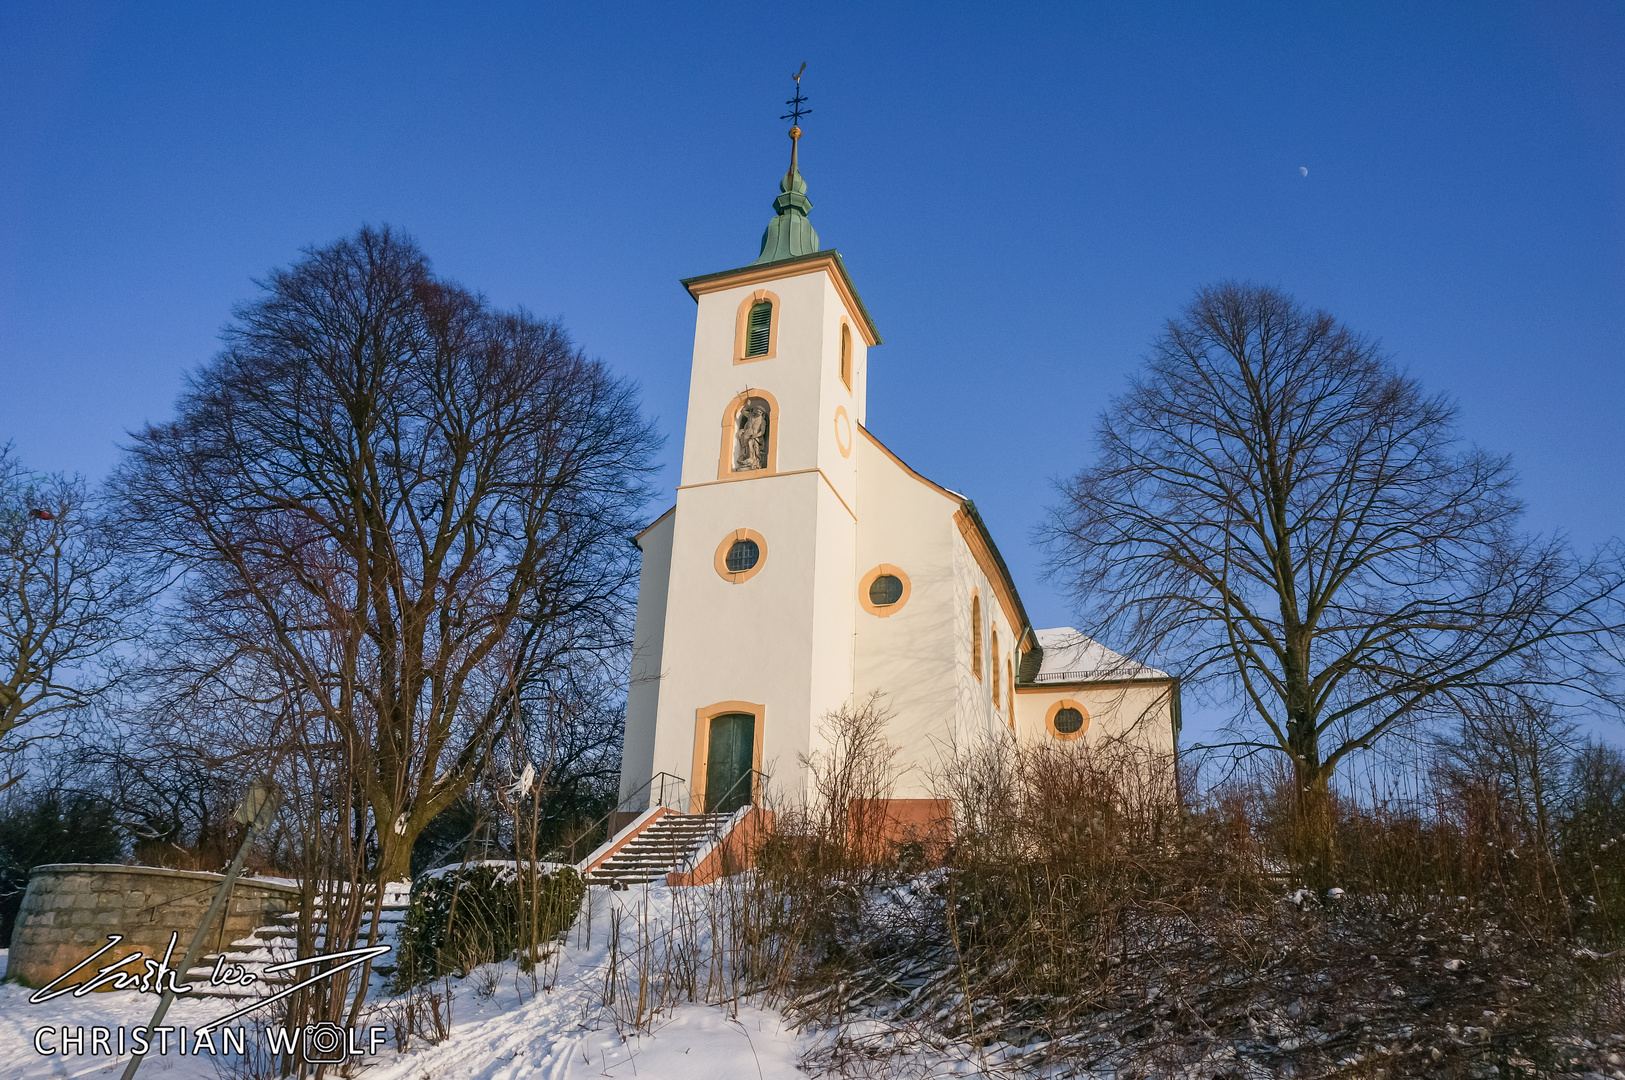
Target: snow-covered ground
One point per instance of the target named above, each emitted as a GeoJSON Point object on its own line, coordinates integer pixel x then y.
{"type": "Point", "coordinates": [502, 1027]}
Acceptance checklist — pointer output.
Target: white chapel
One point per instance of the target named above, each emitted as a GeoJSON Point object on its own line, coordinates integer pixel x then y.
{"type": "Point", "coordinates": [805, 565]}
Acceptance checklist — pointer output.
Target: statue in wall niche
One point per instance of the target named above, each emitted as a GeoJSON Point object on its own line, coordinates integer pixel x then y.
{"type": "Point", "coordinates": [750, 436]}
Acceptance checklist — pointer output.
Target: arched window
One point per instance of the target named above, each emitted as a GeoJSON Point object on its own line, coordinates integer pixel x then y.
{"type": "Point", "coordinates": [846, 355]}
{"type": "Point", "coordinates": [976, 635]}
{"type": "Point", "coordinates": [995, 667]}
{"type": "Point", "coordinates": [758, 329]}
{"type": "Point", "coordinates": [757, 333]}
{"type": "Point", "coordinates": [1010, 680]}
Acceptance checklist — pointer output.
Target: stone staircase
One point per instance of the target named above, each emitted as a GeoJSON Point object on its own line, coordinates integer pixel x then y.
{"type": "Point", "coordinates": [669, 844]}
{"type": "Point", "coordinates": [274, 944]}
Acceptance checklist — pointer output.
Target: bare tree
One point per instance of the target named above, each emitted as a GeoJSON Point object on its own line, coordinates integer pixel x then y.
{"type": "Point", "coordinates": [375, 492]}
{"type": "Point", "coordinates": [65, 601]}
{"type": "Point", "coordinates": [171, 792]}
{"type": "Point", "coordinates": [572, 738]}
{"type": "Point", "coordinates": [1277, 508]}
{"type": "Point", "coordinates": [1523, 749]}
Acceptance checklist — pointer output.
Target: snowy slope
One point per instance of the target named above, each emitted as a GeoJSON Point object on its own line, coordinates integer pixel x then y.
{"type": "Point", "coordinates": [502, 1027]}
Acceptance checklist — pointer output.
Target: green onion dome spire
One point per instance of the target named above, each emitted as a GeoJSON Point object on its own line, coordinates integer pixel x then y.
{"type": "Point", "coordinates": [789, 233]}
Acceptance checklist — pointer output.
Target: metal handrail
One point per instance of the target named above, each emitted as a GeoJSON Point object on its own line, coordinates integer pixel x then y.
{"type": "Point", "coordinates": [592, 830]}
{"type": "Point", "coordinates": [750, 775]}
{"type": "Point", "coordinates": [716, 828]}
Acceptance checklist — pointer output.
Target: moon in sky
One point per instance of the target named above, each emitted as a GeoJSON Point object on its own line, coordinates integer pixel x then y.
{"type": "Point", "coordinates": [1304, 169]}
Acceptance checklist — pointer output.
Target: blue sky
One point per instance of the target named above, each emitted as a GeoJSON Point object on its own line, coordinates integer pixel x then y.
{"type": "Point", "coordinates": [1022, 194]}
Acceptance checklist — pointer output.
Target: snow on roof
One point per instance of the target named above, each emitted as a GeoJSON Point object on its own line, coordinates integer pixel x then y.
{"type": "Point", "coordinates": [1071, 657]}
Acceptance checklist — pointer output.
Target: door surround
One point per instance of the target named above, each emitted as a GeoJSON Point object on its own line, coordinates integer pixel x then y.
{"type": "Point", "coordinates": [702, 748]}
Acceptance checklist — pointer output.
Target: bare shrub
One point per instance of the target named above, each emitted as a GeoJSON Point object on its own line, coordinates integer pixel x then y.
{"type": "Point", "coordinates": [1087, 921]}
{"type": "Point", "coordinates": [1092, 916]}
{"type": "Point", "coordinates": [258, 1061]}
{"type": "Point", "coordinates": [487, 977]}
{"type": "Point", "coordinates": [422, 1012]}
{"type": "Point", "coordinates": [851, 781]}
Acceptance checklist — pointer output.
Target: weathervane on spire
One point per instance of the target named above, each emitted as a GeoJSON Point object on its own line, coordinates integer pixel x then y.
{"type": "Point", "coordinates": [796, 111]}
{"type": "Point", "coordinates": [794, 116]}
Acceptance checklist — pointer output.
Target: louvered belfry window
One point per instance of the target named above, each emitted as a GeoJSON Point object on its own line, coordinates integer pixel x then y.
{"type": "Point", "coordinates": [758, 328]}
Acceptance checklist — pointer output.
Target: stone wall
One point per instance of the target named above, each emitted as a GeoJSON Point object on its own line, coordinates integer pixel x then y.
{"type": "Point", "coordinates": [70, 908]}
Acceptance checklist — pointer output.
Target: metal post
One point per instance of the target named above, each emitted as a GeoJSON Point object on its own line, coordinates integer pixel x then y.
{"type": "Point", "coordinates": [256, 811]}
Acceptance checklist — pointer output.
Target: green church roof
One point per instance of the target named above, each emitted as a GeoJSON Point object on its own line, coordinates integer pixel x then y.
{"type": "Point", "coordinates": [789, 234]}
{"type": "Point", "coordinates": [790, 238]}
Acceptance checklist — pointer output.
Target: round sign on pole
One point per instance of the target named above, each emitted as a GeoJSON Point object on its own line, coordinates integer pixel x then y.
{"type": "Point", "coordinates": [259, 804]}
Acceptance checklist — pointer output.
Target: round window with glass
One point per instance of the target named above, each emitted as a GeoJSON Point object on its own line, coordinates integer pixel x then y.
{"type": "Point", "coordinates": [1067, 720]}
{"type": "Point", "coordinates": [742, 556]}
{"type": "Point", "coordinates": [885, 590]}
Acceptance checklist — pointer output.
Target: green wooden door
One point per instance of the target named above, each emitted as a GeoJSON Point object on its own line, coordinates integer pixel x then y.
{"type": "Point", "coordinates": [727, 768]}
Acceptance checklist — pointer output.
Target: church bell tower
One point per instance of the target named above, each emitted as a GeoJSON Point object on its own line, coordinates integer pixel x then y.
{"type": "Point", "coordinates": [745, 626]}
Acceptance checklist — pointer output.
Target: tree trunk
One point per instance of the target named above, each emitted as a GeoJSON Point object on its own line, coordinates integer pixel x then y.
{"type": "Point", "coordinates": [1313, 842]}
{"type": "Point", "coordinates": [1314, 830]}
{"type": "Point", "coordinates": [394, 855]}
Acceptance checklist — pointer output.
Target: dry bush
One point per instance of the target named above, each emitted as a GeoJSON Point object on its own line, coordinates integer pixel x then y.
{"type": "Point", "coordinates": [421, 1013]}
{"type": "Point", "coordinates": [1087, 921]}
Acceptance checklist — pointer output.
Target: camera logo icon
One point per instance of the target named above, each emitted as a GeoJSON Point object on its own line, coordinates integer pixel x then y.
{"type": "Point", "coordinates": [324, 1044]}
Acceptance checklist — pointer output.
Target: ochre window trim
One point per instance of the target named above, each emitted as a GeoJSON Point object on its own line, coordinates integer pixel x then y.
{"type": "Point", "coordinates": [742, 327]}
{"type": "Point", "coordinates": [702, 748]}
{"type": "Point", "coordinates": [998, 581]}
{"type": "Point", "coordinates": [736, 577]}
{"type": "Point", "coordinates": [843, 358]}
{"type": "Point", "coordinates": [1010, 681]}
{"type": "Point", "coordinates": [869, 579]}
{"type": "Point", "coordinates": [976, 633]}
{"type": "Point", "coordinates": [1067, 703]}
{"type": "Point", "coordinates": [843, 426]}
{"type": "Point", "coordinates": [993, 651]}
{"type": "Point", "coordinates": [725, 462]}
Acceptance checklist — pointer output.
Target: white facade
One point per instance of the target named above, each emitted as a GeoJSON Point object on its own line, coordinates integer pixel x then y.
{"type": "Point", "coordinates": [796, 635]}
